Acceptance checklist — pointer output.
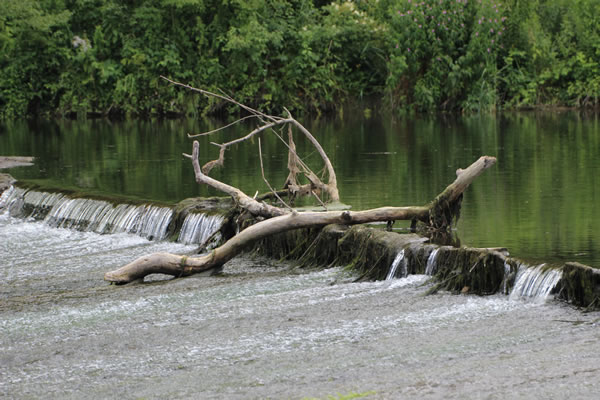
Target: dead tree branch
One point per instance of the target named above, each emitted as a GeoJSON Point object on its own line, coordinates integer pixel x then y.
{"type": "Point", "coordinates": [282, 221]}
{"type": "Point", "coordinates": [437, 215]}
{"type": "Point", "coordinates": [222, 128]}
{"type": "Point", "coordinates": [330, 187]}
{"type": "Point", "coordinates": [222, 97]}
{"type": "Point", "coordinates": [262, 171]}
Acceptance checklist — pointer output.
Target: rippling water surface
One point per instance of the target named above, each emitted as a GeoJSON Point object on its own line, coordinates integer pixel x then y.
{"type": "Point", "coordinates": [266, 330]}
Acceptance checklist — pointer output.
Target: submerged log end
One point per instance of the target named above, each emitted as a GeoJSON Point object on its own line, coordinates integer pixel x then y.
{"type": "Point", "coordinates": [117, 277]}
{"type": "Point", "coordinates": [157, 263]}
{"type": "Point", "coordinates": [163, 263]}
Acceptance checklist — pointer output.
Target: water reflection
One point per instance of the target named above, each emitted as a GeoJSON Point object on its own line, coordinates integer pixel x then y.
{"type": "Point", "coordinates": [539, 201]}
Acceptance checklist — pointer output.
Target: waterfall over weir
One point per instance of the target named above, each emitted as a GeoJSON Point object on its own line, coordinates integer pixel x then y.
{"type": "Point", "coordinates": [60, 211]}
{"type": "Point", "coordinates": [197, 228]}
{"type": "Point", "coordinates": [431, 265]}
{"type": "Point", "coordinates": [397, 261]}
{"type": "Point", "coordinates": [535, 283]}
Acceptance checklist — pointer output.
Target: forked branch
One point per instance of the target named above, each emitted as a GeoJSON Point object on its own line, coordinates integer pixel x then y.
{"type": "Point", "coordinates": [273, 121]}
{"type": "Point", "coordinates": [437, 215]}
{"type": "Point", "coordinates": [284, 220]}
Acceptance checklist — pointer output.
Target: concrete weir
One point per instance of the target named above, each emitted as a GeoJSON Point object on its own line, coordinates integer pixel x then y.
{"type": "Point", "coordinates": [373, 253]}
{"type": "Point", "coordinates": [192, 221]}
{"type": "Point", "coordinates": [480, 271]}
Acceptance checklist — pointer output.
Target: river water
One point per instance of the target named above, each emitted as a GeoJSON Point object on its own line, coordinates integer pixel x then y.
{"type": "Point", "coordinates": [539, 201]}
{"type": "Point", "coordinates": [265, 329]}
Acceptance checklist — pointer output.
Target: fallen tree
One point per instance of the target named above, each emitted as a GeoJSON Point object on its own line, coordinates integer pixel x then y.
{"type": "Point", "coordinates": [438, 215]}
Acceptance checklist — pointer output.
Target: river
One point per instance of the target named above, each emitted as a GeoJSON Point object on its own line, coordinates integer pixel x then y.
{"type": "Point", "coordinates": [539, 201]}
{"type": "Point", "coordinates": [265, 329]}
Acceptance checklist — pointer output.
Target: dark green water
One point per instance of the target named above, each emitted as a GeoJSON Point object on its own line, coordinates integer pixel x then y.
{"type": "Point", "coordinates": [540, 200]}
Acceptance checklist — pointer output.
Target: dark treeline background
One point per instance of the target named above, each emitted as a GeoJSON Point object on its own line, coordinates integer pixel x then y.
{"type": "Point", "coordinates": [105, 56]}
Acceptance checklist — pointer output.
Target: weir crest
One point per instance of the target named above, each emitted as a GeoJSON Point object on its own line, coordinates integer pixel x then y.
{"type": "Point", "coordinates": [372, 253]}
{"type": "Point", "coordinates": [150, 221]}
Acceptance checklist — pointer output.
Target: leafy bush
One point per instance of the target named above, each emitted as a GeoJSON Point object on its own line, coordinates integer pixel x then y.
{"type": "Point", "coordinates": [445, 53]}
{"type": "Point", "coordinates": [106, 56]}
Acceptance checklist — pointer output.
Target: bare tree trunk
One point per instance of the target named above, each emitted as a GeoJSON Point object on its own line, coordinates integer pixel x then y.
{"type": "Point", "coordinates": [438, 214]}
{"type": "Point", "coordinates": [283, 220]}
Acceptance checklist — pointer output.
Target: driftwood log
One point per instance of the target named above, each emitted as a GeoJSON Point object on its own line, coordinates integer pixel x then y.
{"type": "Point", "coordinates": [437, 215]}
{"type": "Point", "coordinates": [283, 220]}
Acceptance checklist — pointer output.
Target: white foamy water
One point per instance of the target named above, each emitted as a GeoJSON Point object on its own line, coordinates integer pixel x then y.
{"type": "Point", "coordinates": [431, 265]}
{"type": "Point", "coordinates": [60, 211]}
{"type": "Point", "coordinates": [198, 228]}
{"type": "Point", "coordinates": [398, 261]}
{"type": "Point", "coordinates": [535, 282]}
{"type": "Point", "coordinates": [266, 330]}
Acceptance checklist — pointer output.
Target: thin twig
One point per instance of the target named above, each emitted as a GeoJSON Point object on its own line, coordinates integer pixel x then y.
{"type": "Point", "coordinates": [219, 161]}
{"type": "Point", "coordinates": [256, 131]}
{"type": "Point", "coordinates": [221, 128]}
{"type": "Point", "coordinates": [306, 168]}
{"type": "Point", "coordinates": [219, 96]}
{"type": "Point", "coordinates": [262, 170]}
{"type": "Point", "coordinates": [319, 200]}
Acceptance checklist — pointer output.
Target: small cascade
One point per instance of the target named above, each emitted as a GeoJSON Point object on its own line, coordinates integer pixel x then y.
{"type": "Point", "coordinates": [77, 214]}
{"type": "Point", "coordinates": [60, 211]}
{"type": "Point", "coordinates": [197, 228]}
{"type": "Point", "coordinates": [431, 266]}
{"type": "Point", "coordinates": [536, 282]}
{"type": "Point", "coordinates": [5, 196]}
{"type": "Point", "coordinates": [397, 261]}
{"type": "Point", "coordinates": [154, 221]}
{"type": "Point", "coordinates": [506, 277]}
{"type": "Point", "coordinates": [24, 204]}
{"type": "Point", "coordinates": [38, 204]}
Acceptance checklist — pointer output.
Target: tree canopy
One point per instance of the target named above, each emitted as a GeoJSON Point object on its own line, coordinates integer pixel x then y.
{"type": "Point", "coordinates": [107, 56]}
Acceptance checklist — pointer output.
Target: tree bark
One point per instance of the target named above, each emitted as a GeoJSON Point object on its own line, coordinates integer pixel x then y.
{"type": "Point", "coordinates": [438, 214]}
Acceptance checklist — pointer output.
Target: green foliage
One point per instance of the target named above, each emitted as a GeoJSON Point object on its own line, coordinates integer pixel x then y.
{"type": "Point", "coordinates": [106, 56]}
{"type": "Point", "coordinates": [445, 53]}
{"type": "Point", "coordinates": [33, 36]}
{"type": "Point", "coordinates": [554, 53]}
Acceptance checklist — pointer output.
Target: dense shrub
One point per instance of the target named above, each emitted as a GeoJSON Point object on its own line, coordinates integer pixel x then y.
{"type": "Point", "coordinates": [106, 56]}
{"type": "Point", "coordinates": [446, 53]}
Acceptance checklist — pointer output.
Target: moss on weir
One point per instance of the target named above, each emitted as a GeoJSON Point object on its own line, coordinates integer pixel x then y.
{"type": "Point", "coordinates": [477, 271]}
{"type": "Point", "coordinates": [370, 253]}
{"type": "Point", "coordinates": [580, 285]}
